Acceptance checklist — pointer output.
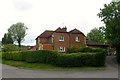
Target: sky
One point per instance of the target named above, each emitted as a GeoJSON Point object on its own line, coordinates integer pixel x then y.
{"type": "Point", "coordinates": [41, 15]}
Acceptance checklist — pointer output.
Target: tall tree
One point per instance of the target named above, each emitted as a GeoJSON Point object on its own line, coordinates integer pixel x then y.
{"type": "Point", "coordinates": [96, 35]}
{"type": "Point", "coordinates": [18, 32]}
{"type": "Point", "coordinates": [7, 39]}
{"type": "Point", "coordinates": [110, 15]}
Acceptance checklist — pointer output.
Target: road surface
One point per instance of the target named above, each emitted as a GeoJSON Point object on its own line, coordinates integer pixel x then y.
{"type": "Point", "coordinates": [110, 72]}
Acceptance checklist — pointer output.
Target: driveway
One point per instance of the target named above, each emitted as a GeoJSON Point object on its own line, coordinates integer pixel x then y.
{"type": "Point", "coordinates": [110, 72]}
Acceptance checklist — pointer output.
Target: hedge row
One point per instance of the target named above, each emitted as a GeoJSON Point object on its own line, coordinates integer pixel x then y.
{"type": "Point", "coordinates": [75, 49]}
{"type": "Point", "coordinates": [41, 56]}
{"type": "Point", "coordinates": [52, 57]}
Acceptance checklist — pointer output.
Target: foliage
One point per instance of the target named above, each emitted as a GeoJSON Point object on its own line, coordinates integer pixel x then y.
{"type": "Point", "coordinates": [13, 47]}
{"type": "Point", "coordinates": [64, 60]}
{"type": "Point", "coordinates": [7, 39]}
{"type": "Point", "coordinates": [83, 49]}
{"type": "Point", "coordinates": [41, 56]}
{"type": "Point", "coordinates": [81, 59]}
{"type": "Point", "coordinates": [18, 32]}
{"type": "Point", "coordinates": [10, 47]}
{"type": "Point", "coordinates": [73, 49]}
{"type": "Point", "coordinates": [96, 35]}
{"type": "Point", "coordinates": [110, 15]}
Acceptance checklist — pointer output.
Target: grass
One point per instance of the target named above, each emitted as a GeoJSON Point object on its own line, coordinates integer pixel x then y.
{"type": "Point", "coordinates": [41, 66]}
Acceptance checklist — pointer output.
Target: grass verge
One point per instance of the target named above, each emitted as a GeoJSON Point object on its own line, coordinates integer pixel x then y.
{"type": "Point", "coordinates": [41, 66]}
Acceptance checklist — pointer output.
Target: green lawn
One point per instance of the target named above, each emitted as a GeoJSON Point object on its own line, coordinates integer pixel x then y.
{"type": "Point", "coordinates": [25, 65]}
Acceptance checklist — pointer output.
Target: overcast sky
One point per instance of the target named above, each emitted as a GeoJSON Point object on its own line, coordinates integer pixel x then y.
{"type": "Point", "coordinates": [40, 15]}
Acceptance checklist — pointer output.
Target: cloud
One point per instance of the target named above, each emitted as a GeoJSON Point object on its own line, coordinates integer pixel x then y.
{"type": "Point", "coordinates": [22, 5]}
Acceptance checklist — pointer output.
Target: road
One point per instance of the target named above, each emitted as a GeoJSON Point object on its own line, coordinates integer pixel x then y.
{"type": "Point", "coordinates": [110, 72]}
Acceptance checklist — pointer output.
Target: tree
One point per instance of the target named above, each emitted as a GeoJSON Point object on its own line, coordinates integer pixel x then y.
{"type": "Point", "coordinates": [110, 15]}
{"type": "Point", "coordinates": [7, 39]}
{"type": "Point", "coordinates": [18, 32]}
{"type": "Point", "coordinates": [96, 35]}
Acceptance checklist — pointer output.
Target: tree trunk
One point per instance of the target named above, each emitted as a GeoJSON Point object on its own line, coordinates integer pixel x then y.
{"type": "Point", "coordinates": [19, 43]}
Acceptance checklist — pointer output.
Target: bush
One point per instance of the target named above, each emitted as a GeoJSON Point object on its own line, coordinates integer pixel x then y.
{"type": "Point", "coordinates": [81, 59]}
{"type": "Point", "coordinates": [75, 49]}
{"type": "Point", "coordinates": [7, 55]}
{"type": "Point", "coordinates": [10, 47]}
{"type": "Point", "coordinates": [17, 56]}
{"type": "Point", "coordinates": [41, 56]}
{"type": "Point", "coordinates": [63, 60]}
{"type": "Point", "coordinates": [85, 49]}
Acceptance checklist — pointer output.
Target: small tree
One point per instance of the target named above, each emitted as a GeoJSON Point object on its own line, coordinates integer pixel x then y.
{"type": "Point", "coordinates": [18, 32]}
{"type": "Point", "coordinates": [7, 39]}
{"type": "Point", "coordinates": [97, 35]}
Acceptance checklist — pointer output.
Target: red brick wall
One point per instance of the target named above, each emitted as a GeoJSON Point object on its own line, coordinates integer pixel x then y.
{"type": "Point", "coordinates": [47, 46]}
{"type": "Point", "coordinates": [58, 43]}
{"type": "Point", "coordinates": [73, 41]}
{"type": "Point", "coordinates": [69, 40]}
{"type": "Point", "coordinates": [43, 40]}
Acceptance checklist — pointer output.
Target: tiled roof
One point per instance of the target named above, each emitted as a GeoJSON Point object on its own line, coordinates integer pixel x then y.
{"type": "Point", "coordinates": [75, 31]}
{"type": "Point", "coordinates": [46, 34]}
{"type": "Point", "coordinates": [31, 48]}
{"type": "Point", "coordinates": [64, 29]}
{"type": "Point", "coordinates": [93, 43]}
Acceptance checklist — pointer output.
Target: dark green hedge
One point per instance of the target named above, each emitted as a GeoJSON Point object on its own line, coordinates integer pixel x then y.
{"type": "Point", "coordinates": [81, 59]}
{"type": "Point", "coordinates": [75, 49]}
{"type": "Point", "coordinates": [58, 59]}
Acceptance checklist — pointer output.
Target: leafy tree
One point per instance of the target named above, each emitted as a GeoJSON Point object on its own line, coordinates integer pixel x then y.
{"type": "Point", "coordinates": [7, 39]}
{"type": "Point", "coordinates": [110, 15]}
{"type": "Point", "coordinates": [96, 35]}
{"type": "Point", "coordinates": [18, 32]}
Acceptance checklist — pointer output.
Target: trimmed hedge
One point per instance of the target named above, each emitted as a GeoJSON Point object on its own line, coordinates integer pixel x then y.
{"type": "Point", "coordinates": [81, 59]}
{"type": "Point", "coordinates": [75, 49]}
{"type": "Point", "coordinates": [63, 60]}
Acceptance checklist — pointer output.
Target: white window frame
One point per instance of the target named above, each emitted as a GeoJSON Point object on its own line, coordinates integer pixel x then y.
{"type": "Point", "coordinates": [77, 39]}
{"type": "Point", "coordinates": [61, 49]}
{"type": "Point", "coordinates": [61, 38]}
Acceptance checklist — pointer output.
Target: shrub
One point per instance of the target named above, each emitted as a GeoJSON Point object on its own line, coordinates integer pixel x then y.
{"type": "Point", "coordinates": [81, 59]}
{"type": "Point", "coordinates": [7, 55]}
{"type": "Point", "coordinates": [31, 56]}
{"type": "Point", "coordinates": [10, 47]}
{"type": "Point", "coordinates": [41, 56]}
{"type": "Point", "coordinates": [73, 49]}
{"type": "Point", "coordinates": [85, 49]}
{"type": "Point", "coordinates": [63, 60]}
{"type": "Point", "coordinates": [100, 58]}
{"type": "Point", "coordinates": [17, 56]}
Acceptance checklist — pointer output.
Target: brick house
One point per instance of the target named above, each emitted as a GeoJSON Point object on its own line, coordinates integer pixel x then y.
{"type": "Point", "coordinates": [60, 39]}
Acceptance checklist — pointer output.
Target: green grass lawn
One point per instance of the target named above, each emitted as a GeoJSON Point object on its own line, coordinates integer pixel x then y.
{"type": "Point", "coordinates": [41, 66]}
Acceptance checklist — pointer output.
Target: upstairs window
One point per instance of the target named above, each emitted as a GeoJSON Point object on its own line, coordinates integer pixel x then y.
{"type": "Point", "coordinates": [77, 39]}
{"type": "Point", "coordinates": [61, 49]}
{"type": "Point", "coordinates": [61, 38]}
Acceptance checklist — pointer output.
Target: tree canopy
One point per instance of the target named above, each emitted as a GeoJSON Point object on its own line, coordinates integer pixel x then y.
{"type": "Point", "coordinates": [96, 34]}
{"type": "Point", "coordinates": [7, 39]}
{"type": "Point", "coordinates": [18, 32]}
{"type": "Point", "coordinates": [110, 15]}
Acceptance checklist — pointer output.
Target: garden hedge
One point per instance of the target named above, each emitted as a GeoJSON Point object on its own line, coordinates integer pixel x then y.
{"type": "Point", "coordinates": [59, 59]}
